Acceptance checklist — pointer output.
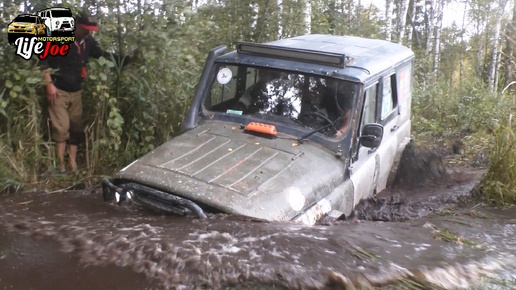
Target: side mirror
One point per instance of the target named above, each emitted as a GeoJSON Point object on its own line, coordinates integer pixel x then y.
{"type": "Point", "coordinates": [371, 136]}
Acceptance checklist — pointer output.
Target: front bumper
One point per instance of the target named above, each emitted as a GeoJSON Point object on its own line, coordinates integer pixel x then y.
{"type": "Point", "coordinates": [150, 198]}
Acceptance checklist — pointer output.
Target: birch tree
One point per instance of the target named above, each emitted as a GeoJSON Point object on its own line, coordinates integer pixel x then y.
{"type": "Point", "coordinates": [388, 20]}
{"type": "Point", "coordinates": [409, 29]}
{"type": "Point", "coordinates": [401, 15]}
{"type": "Point", "coordinates": [430, 24]}
{"type": "Point", "coordinates": [510, 37]}
{"type": "Point", "coordinates": [437, 36]}
{"type": "Point", "coordinates": [308, 16]}
{"type": "Point", "coordinates": [493, 64]}
{"type": "Point", "coordinates": [280, 17]}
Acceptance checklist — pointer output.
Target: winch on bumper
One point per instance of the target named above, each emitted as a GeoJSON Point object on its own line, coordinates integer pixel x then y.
{"type": "Point", "coordinates": [150, 197]}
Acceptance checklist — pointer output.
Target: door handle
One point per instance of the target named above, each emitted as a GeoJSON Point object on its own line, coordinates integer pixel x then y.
{"type": "Point", "coordinates": [371, 151]}
{"type": "Point", "coordinates": [394, 128]}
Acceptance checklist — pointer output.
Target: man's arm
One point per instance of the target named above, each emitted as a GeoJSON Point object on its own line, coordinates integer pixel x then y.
{"type": "Point", "coordinates": [97, 52]}
{"type": "Point", "coordinates": [49, 84]}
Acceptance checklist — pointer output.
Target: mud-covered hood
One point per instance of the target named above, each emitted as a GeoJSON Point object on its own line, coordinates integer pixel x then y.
{"type": "Point", "coordinates": [219, 165]}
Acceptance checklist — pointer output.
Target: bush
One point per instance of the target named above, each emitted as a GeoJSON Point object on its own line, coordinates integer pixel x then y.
{"type": "Point", "coordinates": [444, 111]}
{"type": "Point", "coordinates": [498, 185]}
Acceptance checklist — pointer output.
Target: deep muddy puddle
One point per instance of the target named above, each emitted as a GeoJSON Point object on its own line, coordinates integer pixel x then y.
{"type": "Point", "coordinates": [73, 240]}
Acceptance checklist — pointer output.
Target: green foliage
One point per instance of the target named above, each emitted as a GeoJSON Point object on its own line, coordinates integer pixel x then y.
{"type": "Point", "coordinates": [498, 185]}
{"type": "Point", "coordinates": [22, 148]}
{"type": "Point", "coordinates": [446, 111]}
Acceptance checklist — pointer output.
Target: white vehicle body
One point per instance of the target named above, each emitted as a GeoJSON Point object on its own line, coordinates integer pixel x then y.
{"type": "Point", "coordinates": [302, 170]}
{"type": "Point", "coordinates": [57, 20]}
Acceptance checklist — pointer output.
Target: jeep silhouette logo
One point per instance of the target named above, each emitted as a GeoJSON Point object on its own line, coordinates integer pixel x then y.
{"type": "Point", "coordinates": [49, 32]}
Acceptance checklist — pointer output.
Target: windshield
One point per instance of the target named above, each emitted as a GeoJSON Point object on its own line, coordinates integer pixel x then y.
{"type": "Point", "coordinates": [61, 13]}
{"type": "Point", "coordinates": [25, 19]}
{"type": "Point", "coordinates": [294, 98]}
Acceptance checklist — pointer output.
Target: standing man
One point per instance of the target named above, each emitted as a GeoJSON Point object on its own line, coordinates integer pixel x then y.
{"type": "Point", "coordinates": [64, 88]}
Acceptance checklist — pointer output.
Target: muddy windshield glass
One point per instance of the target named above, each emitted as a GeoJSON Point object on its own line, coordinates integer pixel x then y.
{"type": "Point", "coordinates": [289, 97]}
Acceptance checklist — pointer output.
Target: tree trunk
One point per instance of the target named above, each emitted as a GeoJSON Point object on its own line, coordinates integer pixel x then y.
{"type": "Point", "coordinates": [510, 36]}
{"type": "Point", "coordinates": [411, 12]}
{"type": "Point", "coordinates": [430, 24]}
{"type": "Point", "coordinates": [388, 20]}
{"type": "Point", "coordinates": [308, 17]}
{"type": "Point", "coordinates": [437, 37]}
{"type": "Point", "coordinates": [496, 39]}
{"type": "Point", "coordinates": [280, 17]}
{"type": "Point", "coordinates": [462, 33]}
{"type": "Point", "coordinates": [497, 68]}
{"type": "Point", "coordinates": [402, 18]}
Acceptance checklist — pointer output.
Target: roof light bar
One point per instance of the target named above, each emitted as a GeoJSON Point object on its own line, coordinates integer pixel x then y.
{"type": "Point", "coordinates": [331, 59]}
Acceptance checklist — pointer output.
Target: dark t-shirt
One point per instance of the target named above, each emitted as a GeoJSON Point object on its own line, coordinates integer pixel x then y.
{"type": "Point", "coordinates": [68, 75]}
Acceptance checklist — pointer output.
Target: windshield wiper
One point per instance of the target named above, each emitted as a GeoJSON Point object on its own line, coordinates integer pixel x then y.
{"type": "Point", "coordinates": [330, 124]}
{"type": "Point", "coordinates": [300, 140]}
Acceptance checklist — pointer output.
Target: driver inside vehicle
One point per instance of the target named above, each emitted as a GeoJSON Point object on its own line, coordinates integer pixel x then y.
{"type": "Point", "coordinates": [338, 103]}
{"type": "Point", "coordinates": [256, 96]}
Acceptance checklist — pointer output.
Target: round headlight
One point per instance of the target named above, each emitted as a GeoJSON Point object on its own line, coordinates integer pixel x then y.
{"type": "Point", "coordinates": [57, 22]}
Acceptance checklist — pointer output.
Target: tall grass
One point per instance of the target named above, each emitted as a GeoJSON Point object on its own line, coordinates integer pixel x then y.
{"type": "Point", "coordinates": [498, 185]}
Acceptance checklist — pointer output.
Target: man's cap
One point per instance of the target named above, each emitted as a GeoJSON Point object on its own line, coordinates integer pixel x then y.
{"type": "Point", "coordinates": [87, 22]}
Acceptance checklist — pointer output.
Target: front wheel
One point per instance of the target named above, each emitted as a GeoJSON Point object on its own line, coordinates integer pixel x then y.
{"type": "Point", "coordinates": [12, 38]}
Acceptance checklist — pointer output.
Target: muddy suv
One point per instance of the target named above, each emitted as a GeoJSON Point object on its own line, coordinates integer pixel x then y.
{"type": "Point", "coordinates": [294, 129]}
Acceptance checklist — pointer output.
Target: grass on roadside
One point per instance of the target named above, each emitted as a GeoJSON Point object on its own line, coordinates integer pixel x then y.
{"type": "Point", "coordinates": [498, 185]}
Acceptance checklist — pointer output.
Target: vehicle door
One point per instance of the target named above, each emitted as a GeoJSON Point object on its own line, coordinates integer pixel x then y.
{"type": "Point", "coordinates": [364, 167]}
{"type": "Point", "coordinates": [44, 16]}
{"type": "Point", "coordinates": [39, 26]}
{"type": "Point", "coordinates": [388, 118]}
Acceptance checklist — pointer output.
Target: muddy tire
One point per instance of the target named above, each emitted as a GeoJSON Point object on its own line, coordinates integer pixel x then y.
{"type": "Point", "coordinates": [12, 38]}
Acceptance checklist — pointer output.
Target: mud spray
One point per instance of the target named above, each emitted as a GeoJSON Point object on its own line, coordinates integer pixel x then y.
{"type": "Point", "coordinates": [408, 233]}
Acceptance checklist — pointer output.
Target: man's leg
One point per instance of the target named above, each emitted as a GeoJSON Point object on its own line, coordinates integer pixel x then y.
{"type": "Point", "coordinates": [72, 154]}
{"type": "Point", "coordinates": [76, 128]}
{"type": "Point", "coordinates": [61, 147]}
{"type": "Point", "coordinates": [60, 122]}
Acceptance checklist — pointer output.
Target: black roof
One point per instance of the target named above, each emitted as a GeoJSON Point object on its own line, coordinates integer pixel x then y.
{"type": "Point", "coordinates": [366, 58]}
{"type": "Point", "coordinates": [55, 8]}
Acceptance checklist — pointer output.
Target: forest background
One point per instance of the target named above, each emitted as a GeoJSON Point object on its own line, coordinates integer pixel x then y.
{"type": "Point", "coordinates": [463, 91]}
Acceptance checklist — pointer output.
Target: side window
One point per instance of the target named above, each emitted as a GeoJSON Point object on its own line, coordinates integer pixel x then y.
{"type": "Point", "coordinates": [404, 76]}
{"type": "Point", "coordinates": [389, 98]}
{"type": "Point", "coordinates": [369, 110]}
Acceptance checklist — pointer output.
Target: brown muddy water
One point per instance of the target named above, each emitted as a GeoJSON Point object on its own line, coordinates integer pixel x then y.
{"type": "Point", "coordinates": [432, 236]}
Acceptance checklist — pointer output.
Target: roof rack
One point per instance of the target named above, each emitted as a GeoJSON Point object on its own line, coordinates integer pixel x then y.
{"type": "Point", "coordinates": [327, 58]}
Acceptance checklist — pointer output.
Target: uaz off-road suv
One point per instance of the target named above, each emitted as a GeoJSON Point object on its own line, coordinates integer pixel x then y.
{"type": "Point", "coordinates": [57, 19]}
{"type": "Point", "coordinates": [294, 129]}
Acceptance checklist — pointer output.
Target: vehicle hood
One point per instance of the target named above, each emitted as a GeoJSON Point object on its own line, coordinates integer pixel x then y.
{"type": "Point", "coordinates": [219, 165]}
{"type": "Point", "coordinates": [23, 24]}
